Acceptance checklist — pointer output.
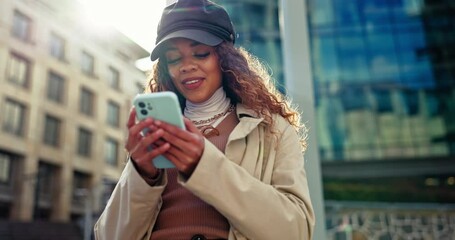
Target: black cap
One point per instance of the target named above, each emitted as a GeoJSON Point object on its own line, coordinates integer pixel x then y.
{"type": "Point", "coordinates": [199, 20]}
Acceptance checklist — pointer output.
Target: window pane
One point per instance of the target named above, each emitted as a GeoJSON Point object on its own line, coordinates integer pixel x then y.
{"type": "Point", "coordinates": [84, 142]}
{"type": "Point", "coordinates": [113, 78]}
{"type": "Point", "coordinates": [325, 64]}
{"type": "Point", "coordinates": [87, 64]}
{"type": "Point", "coordinates": [321, 12]}
{"type": "Point", "coordinates": [256, 13]}
{"type": "Point", "coordinates": [107, 189]}
{"type": "Point", "coordinates": [331, 125]}
{"type": "Point", "coordinates": [382, 58]}
{"type": "Point", "coordinates": [57, 47]}
{"type": "Point", "coordinates": [18, 70]}
{"type": "Point", "coordinates": [438, 118]}
{"type": "Point", "coordinates": [383, 100]}
{"type": "Point", "coordinates": [55, 87]}
{"type": "Point", "coordinates": [415, 60]}
{"type": "Point", "coordinates": [111, 151]}
{"type": "Point", "coordinates": [81, 185]}
{"type": "Point", "coordinates": [410, 100]}
{"type": "Point", "coordinates": [406, 11]}
{"type": "Point", "coordinates": [348, 13]}
{"type": "Point", "coordinates": [86, 102]}
{"type": "Point", "coordinates": [113, 111]}
{"type": "Point", "coordinates": [376, 12]}
{"type": "Point", "coordinates": [21, 26]}
{"type": "Point", "coordinates": [47, 181]}
{"type": "Point", "coordinates": [51, 134]}
{"type": "Point", "coordinates": [5, 168]}
{"type": "Point", "coordinates": [13, 117]}
{"type": "Point", "coordinates": [352, 57]}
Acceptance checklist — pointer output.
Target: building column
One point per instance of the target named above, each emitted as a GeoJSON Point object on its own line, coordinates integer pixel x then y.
{"type": "Point", "coordinates": [299, 85]}
{"type": "Point", "coordinates": [27, 179]}
{"type": "Point", "coordinates": [62, 209]}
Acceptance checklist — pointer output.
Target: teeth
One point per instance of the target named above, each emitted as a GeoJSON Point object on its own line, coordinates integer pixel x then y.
{"type": "Point", "coordinates": [192, 81]}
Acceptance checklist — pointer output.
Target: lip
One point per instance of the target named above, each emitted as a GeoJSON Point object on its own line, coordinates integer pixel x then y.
{"type": "Point", "coordinates": [193, 85]}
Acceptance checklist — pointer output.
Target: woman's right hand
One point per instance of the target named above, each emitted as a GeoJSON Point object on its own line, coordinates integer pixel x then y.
{"type": "Point", "coordinates": [137, 145]}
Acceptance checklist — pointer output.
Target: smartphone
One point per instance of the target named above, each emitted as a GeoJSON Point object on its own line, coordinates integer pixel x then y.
{"type": "Point", "coordinates": [163, 106]}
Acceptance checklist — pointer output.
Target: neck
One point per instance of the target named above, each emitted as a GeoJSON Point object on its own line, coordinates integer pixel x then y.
{"type": "Point", "coordinates": [216, 104]}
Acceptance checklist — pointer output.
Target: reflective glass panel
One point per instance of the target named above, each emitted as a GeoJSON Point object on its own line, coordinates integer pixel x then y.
{"type": "Point", "coordinates": [384, 75]}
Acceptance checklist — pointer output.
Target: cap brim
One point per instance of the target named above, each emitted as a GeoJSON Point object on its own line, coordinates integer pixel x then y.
{"type": "Point", "coordinates": [192, 34]}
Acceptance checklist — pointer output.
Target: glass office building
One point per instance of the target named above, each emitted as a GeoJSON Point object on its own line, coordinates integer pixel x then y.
{"type": "Point", "coordinates": [257, 27]}
{"type": "Point", "coordinates": [384, 77]}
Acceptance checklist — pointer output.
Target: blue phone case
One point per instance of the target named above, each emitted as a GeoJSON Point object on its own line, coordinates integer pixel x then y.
{"type": "Point", "coordinates": [163, 106]}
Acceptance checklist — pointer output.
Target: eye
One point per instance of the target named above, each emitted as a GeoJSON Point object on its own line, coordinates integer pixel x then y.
{"type": "Point", "coordinates": [172, 60]}
{"type": "Point", "coordinates": [202, 55]}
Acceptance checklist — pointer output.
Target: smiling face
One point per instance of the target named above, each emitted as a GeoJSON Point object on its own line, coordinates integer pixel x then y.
{"type": "Point", "coordinates": [194, 69]}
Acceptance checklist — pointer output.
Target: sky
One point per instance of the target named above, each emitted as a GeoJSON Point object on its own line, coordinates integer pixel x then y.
{"type": "Point", "coordinates": [137, 19]}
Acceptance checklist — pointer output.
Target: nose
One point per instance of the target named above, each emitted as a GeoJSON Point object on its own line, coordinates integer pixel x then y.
{"type": "Point", "coordinates": [188, 66]}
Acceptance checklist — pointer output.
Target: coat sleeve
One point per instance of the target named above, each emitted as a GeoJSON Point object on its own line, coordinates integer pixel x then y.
{"type": "Point", "coordinates": [280, 210]}
{"type": "Point", "coordinates": [132, 208]}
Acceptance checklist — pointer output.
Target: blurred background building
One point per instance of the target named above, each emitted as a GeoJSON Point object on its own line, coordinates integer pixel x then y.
{"type": "Point", "coordinates": [382, 75]}
{"type": "Point", "coordinates": [65, 94]}
{"type": "Point", "coordinates": [384, 85]}
{"type": "Point", "coordinates": [375, 81]}
{"type": "Point", "coordinates": [383, 79]}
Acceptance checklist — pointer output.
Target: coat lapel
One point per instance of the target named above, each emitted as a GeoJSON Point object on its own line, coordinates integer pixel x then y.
{"type": "Point", "coordinates": [248, 125]}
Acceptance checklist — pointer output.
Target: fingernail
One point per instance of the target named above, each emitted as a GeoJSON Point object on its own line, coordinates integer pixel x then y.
{"type": "Point", "coordinates": [157, 122]}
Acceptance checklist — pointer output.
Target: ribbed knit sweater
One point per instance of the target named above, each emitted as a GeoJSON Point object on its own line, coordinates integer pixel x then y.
{"type": "Point", "coordinates": [183, 214]}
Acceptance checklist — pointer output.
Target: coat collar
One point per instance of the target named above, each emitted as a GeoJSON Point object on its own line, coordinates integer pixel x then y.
{"type": "Point", "coordinates": [249, 120]}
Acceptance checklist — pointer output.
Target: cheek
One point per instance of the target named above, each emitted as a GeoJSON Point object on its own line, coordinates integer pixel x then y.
{"type": "Point", "coordinates": [172, 72]}
{"type": "Point", "coordinates": [220, 74]}
{"type": "Point", "coordinates": [173, 75]}
{"type": "Point", "coordinates": [215, 67]}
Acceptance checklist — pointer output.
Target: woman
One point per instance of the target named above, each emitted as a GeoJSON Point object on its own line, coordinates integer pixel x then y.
{"type": "Point", "coordinates": [239, 166]}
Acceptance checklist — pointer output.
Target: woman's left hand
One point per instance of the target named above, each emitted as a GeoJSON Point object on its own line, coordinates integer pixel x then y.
{"type": "Point", "coordinates": [186, 147]}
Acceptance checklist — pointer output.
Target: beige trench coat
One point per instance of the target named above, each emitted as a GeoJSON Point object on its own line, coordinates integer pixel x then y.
{"type": "Point", "coordinates": [259, 185]}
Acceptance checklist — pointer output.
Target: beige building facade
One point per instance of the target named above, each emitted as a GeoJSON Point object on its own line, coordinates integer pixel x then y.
{"type": "Point", "coordinates": [65, 93]}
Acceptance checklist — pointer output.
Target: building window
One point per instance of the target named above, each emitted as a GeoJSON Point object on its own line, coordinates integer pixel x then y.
{"type": "Point", "coordinates": [113, 78]}
{"type": "Point", "coordinates": [81, 185]}
{"type": "Point", "coordinates": [57, 47]}
{"type": "Point", "coordinates": [113, 111]}
{"type": "Point", "coordinates": [111, 151]}
{"type": "Point", "coordinates": [86, 102]}
{"type": "Point", "coordinates": [22, 27]}
{"type": "Point", "coordinates": [18, 70]}
{"type": "Point", "coordinates": [14, 117]}
{"type": "Point", "coordinates": [5, 169]}
{"type": "Point", "coordinates": [108, 187]}
{"type": "Point", "coordinates": [84, 142]}
{"type": "Point", "coordinates": [383, 99]}
{"type": "Point", "coordinates": [411, 102]}
{"type": "Point", "coordinates": [55, 87]}
{"type": "Point", "coordinates": [88, 64]}
{"type": "Point", "coordinates": [256, 14]}
{"type": "Point", "coordinates": [51, 134]}
{"type": "Point", "coordinates": [47, 181]}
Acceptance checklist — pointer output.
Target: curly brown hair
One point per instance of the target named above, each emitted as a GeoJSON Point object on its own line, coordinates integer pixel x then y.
{"type": "Point", "coordinates": [245, 81]}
